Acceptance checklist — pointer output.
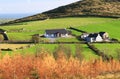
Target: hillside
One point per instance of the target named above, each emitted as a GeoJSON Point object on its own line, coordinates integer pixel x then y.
{"type": "Point", "coordinates": [103, 8]}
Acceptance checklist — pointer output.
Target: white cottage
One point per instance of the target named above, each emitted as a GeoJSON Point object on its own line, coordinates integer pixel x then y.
{"type": "Point", "coordinates": [95, 37]}
{"type": "Point", "coordinates": [104, 35]}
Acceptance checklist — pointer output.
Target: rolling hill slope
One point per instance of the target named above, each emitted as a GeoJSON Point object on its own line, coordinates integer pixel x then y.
{"type": "Point", "coordinates": [103, 8]}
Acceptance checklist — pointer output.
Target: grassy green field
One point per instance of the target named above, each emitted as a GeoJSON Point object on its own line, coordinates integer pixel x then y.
{"type": "Point", "coordinates": [73, 39]}
{"type": "Point", "coordinates": [39, 27]}
{"type": "Point", "coordinates": [86, 52]}
{"type": "Point", "coordinates": [112, 27]}
{"type": "Point", "coordinates": [109, 49]}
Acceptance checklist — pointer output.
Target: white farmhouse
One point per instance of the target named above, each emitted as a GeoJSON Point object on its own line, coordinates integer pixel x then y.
{"type": "Point", "coordinates": [95, 37]}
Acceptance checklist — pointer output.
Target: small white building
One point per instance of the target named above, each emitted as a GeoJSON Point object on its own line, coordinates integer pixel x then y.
{"type": "Point", "coordinates": [104, 35]}
{"type": "Point", "coordinates": [95, 37]}
{"type": "Point", "coordinates": [54, 33]}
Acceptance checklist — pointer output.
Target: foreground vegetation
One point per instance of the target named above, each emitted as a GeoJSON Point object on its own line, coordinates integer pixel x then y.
{"type": "Point", "coordinates": [56, 66]}
{"type": "Point", "coordinates": [110, 49]}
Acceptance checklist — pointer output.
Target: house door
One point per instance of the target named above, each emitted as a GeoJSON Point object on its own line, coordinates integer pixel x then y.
{"type": "Point", "coordinates": [58, 35]}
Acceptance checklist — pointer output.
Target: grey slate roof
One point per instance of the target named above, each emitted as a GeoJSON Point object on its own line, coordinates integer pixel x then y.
{"type": "Point", "coordinates": [54, 31]}
{"type": "Point", "coordinates": [93, 35]}
{"type": "Point", "coordinates": [101, 33]}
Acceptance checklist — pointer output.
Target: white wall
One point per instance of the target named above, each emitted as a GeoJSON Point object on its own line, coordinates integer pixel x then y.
{"type": "Point", "coordinates": [99, 38]}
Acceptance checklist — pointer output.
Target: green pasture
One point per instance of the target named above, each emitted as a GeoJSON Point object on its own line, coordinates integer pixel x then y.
{"type": "Point", "coordinates": [109, 49]}
{"type": "Point", "coordinates": [50, 48]}
{"type": "Point", "coordinates": [86, 52]}
{"type": "Point", "coordinates": [69, 39]}
{"type": "Point", "coordinates": [39, 27]}
{"type": "Point", "coordinates": [112, 27]}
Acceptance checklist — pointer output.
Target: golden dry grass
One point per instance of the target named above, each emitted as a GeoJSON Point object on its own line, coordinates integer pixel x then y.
{"type": "Point", "coordinates": [45, 66]}
{"type": "Point", "coordinates": [12, 46]}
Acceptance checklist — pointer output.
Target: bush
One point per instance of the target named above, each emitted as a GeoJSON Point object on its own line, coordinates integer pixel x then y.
{"type": "Point", "coordinates": [1, 38]}
{"type": "Point", "coordinates": [59, 51]}
{"type": "Point", "coordinates": [78, 52]}
{"type": "Point", "coordinates": [98, 52]}
{"type": "Point", "coordinates": [31, 67]}
{"type": "Point", "coordinates": [7, 49]}
{"type": "Point", "coordinates": [114, 40]}
{"type": "Point", "coordinates": [36, 38]}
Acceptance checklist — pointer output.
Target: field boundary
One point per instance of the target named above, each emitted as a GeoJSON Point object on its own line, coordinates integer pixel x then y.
{"type": "Point", "coordinates": [98, 52]}
{"type": "Point", "coordinates": [77, 30]}
{"type": "Point", "coordinates": [95, 49]}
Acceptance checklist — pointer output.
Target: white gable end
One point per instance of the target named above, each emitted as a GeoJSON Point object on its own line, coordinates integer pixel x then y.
{"type": "Point", "coordinates": [99, 38]}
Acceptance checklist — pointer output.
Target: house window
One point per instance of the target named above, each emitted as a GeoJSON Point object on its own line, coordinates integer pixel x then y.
{"type": "Point", "coordinates": [52, 35]}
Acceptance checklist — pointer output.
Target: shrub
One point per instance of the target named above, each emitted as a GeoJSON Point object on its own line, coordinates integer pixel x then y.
{"type": "Point", "coordinates": [36, 38]}
{"type": "Point", "coordinates": [59, 51]}
{"type": "Point", "coordinates": [1, 37]}
{"type": "Point", "coordinates": [47, 67]}
{"type": "Point", "coordinates": [78, 52]}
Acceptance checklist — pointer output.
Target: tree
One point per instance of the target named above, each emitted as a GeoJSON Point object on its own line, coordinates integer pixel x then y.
{"type": "Point", "coordinates": [36, 38]}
